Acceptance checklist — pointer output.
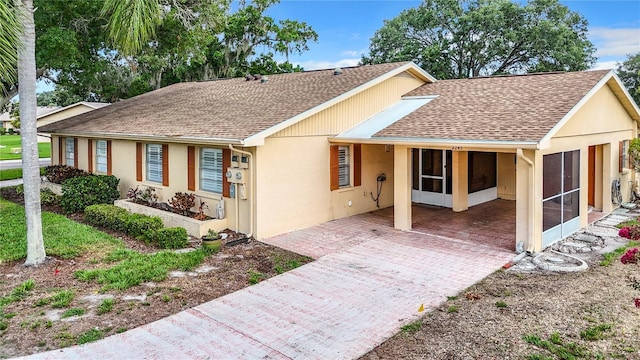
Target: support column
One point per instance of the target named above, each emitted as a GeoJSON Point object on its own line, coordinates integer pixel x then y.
{"type": "Point", "coordinates": [529, 200]}
{"type": "Point", "coordinates": [402, 187]}
{"type": "Point", "coordinates": [460, 173]}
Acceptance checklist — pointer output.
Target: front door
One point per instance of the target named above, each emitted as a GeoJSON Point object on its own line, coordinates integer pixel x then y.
{"type": "Point", "coordinates": [431, 177]}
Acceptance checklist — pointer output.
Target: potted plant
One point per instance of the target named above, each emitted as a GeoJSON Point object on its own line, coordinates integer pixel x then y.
{"type": "Point", "coordinates": [212, 240]}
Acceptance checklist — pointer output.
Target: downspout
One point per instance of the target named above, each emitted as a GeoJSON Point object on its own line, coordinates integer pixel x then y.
{"type": "Point", "coordinates": [531, 204]}
{"type": "Point", "coordinates": [251, 193]}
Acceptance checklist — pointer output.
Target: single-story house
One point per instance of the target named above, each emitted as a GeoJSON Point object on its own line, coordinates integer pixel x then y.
{"type": "Point", "coordinates": [60, 113]}
{"type": "Point", "coordinates": [6, 119]}
{"type": "Point", "coordinates": [293, 150]}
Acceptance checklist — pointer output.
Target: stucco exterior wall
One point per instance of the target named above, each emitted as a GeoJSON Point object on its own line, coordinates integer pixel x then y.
{"type": "Point", "coordinates": [293, 186]}
{"type": "Point", "coordinates": [506, 176]}
{"type": "Point", "coordinates": [124, 168]}
{"type": "Point", "coordinates": [352, 111]}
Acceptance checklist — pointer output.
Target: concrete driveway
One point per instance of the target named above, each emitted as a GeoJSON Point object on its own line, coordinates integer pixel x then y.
{"type": "Point", "coordinates": [368, 280]}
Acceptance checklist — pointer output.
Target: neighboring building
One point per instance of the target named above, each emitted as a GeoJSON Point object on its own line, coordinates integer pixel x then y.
{"type": "Point", "coordinates": [60, 113]}
{"type": "Point", "coordinates": [5, 118]}
{"type": "Point", "coordinates": [306, 148]}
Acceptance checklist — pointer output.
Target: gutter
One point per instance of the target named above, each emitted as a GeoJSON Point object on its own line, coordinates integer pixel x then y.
{"type": "Point", "coordinates": [440, 143]}
{"type": "Point", "coordinates": [529, 242]}
{"type": "Point", "coordinates": [168, 139]}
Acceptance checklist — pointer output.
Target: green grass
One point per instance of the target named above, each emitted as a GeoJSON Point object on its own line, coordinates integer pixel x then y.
{"type": "Point", "coordinates": [597, 332]}
{"type": "Point", "coordinates": [134, 268]}
{"type": "Point", "coordinates": [615, 254]}
{"type": "Point", "coordinates": [501, 305]}
{"type": "Point", "coordinates": [13, 141]}
{"type": "Point", "coordinates": [90, 336]}
{"type": "Point", "coordinates": [255, 277]}
{"type": "Point", "coordinates": [62, 237]}
{"type": "Point", "coordinates": [73, 312]}
{"type": "Point", "coordinates": [412, 327]}
{"type": "Point", "coordinates": [18, 293]}
{"type": "Point", "coordinates": [557, 346]}
{"type": "Point", "coordinates": [10, 174]}
{"type": "Point", "coordinates": [452, 309]}
{"type": "Point", "coordinates": [105, 306]}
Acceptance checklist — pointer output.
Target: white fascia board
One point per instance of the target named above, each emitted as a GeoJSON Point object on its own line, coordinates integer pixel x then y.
{"type": "Point", "coordinates": [453, 143]}
{"type": "Point", "coordinates": [166, 139]}
{"type": "Point", "coordinates": [258, 139]}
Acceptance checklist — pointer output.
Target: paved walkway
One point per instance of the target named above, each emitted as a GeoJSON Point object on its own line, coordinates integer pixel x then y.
{"type": "Point", "coordinates": [367, 282]}
{"type": "Point", "coordinates": [17, 164]}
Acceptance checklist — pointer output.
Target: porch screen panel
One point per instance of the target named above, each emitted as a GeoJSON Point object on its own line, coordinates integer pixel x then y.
{"type": "Point", "coordinates": [211, 170]}
{"type": "Point", "coordinates": [482, 171]}
{"type": "Point", "coordinates": [561, 189]}
{"type": "Point", "coordinates": [415, 165]}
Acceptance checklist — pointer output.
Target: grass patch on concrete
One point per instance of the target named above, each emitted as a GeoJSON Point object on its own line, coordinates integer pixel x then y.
{"type": "Point", "coordinates": [62, 237]}
{"type": "Point", "coordinates": [13, 141]}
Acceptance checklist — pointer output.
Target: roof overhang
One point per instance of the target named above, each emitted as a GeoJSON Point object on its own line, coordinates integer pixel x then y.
{"type": "Point", "coordinates": [153, 138]}
{"type": "Point", "coordinates": [413, 69]}
{"type": "Point", "coordinates": [449, 144]}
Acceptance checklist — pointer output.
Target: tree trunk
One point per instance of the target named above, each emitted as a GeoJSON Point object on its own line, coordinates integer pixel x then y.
{"type": "Point", "coordinates": [30, 165]}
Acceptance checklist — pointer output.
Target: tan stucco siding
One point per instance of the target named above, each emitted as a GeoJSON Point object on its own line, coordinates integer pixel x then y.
{"type": "Point", "coordinates": [506, 176]}
{"type": "Point", "coordinates": [124, 168]}
{"type": "Point", "coordinates": [353, 110]}
{"type": "Point", "coordinates": [293, 184]}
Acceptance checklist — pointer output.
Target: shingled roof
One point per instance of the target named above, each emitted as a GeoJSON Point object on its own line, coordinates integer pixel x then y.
{"type": "Point", "coordinates": [501, 108]}
{"type": "Point", "coordinates": [231, 109]}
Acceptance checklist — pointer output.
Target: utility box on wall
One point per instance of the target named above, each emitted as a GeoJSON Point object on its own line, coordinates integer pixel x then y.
{"type": "Point", "coordinates": [236, 176]}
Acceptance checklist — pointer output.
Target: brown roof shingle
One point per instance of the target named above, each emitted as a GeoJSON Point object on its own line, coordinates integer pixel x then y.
{"type": "Point", "coordinates": [500, 108]}
{"type": "Point", "coordinates": [221, 109]}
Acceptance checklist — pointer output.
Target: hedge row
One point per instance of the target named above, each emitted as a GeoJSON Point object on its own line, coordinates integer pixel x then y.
{"type": "Point", "coordinates": [150, 228]}
{"type": "Point", "coordinates": [80, 192]}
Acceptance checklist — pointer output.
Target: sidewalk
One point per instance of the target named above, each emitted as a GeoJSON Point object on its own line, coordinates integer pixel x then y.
{"type": "Point", "coordinates": [7, 183]}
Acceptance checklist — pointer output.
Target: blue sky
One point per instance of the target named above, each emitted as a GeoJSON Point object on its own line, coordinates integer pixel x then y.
{"type": "Point", "coordinates": [345, 27]}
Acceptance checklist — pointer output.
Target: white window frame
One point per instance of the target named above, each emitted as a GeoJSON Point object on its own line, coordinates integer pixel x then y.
{"type": "Point", "coordinates": [211, 170]}
{"type": "Point", "coordinates": [344, 166]}
{"type": "Point", "coordinates": [69, 151]}
{"type": "Point", "coordinates": [101, 156]}
{"type": "Point", "coordinates": [153, 166]}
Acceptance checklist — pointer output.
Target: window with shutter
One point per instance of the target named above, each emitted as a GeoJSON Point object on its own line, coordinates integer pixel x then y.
{"type": "Point", "coordinates": [101, 156]}
{"type": "Point", "coordinates": [344, 174]}
{"type": "Point", "coordinates": [154, 163]}
{"type": "Point", "coordinates": [69, 157]}
{"type": "Point", "coordinates": [211, 174]}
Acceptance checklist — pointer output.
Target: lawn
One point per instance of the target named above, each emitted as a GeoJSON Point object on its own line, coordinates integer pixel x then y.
{"type": "Point", "coordinates": [8, 142]}
{"type": "Point", "coordinates": [10, 174]}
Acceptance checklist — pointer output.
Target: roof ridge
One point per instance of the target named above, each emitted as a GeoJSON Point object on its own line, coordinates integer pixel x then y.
{"type": "Point", "coordinates": [530, 74]}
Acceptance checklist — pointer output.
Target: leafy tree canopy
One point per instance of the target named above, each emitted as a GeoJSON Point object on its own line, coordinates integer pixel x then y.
{"type": "Point", "coordinates": [629, 73]}
{"type": "Point", "coordinates": [192, 40]}
{"type": "Point", "coordinates": [467, 38]}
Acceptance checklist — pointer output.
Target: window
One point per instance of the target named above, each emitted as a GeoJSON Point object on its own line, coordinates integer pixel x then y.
{"type": "Point", "coordinates": [624, 156]}
{"type": "Point", "coordinates": [211, 170]}
{"type": "Point", "coordinates": [344, 176]}
{"type": "Point", "coordinates": [154, 163]}
{"type": "Point", "coordinates": [69, 153]}
{"type": "Point", "coordinates": [101, 156]}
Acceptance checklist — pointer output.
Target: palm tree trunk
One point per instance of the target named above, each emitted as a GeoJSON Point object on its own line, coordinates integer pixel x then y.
{"type": "Point", "coordinates": [28, 131]}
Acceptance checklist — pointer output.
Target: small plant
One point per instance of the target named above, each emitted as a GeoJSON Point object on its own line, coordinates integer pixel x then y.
{"type": "Point", "coordinates": [451, 298]}
{"type": "Point", "coordinates": [412, 327]}
{"type": "Point", "coordinates": [73, 312]}
{"type": "Point", "coordinates": [4, 325]}
{"type": "Point", "coordinates": [169, 238]}
{"type": "Point", "coordinates": [62, 299]}
{"type": "Point", "coordinates": [452, 309]}
{"type": "Point", "coordinates": [211, 235]}
{"type": "Point", "coordinates": [48, 197]}
{"type": "Point", "coordinates": [59, 173]}
{"type": "Point", "coordinates": [183, 202]}
{"type": "Point", "coordinates": [596, 332]}
{"type": "Point", "coordinates": [255, 277]}
{"type": "Point", "coordinates": [121, 330]}
{"type": "Point", "coordinates": [631, 256]}
{"type": "Point", "coordinates": [133, 194]}
{"type": "Point", "coordinates": [501, 304]}
{"type": "Point", "coordinates": [90, 336]}
{"type": "Point", "coordinates": [105, 306]}
{"type": "Point", "coordinates": [166, 298]}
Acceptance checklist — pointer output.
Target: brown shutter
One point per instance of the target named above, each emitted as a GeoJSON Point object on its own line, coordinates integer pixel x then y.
{"type": "Point", "coordinates": [138, 161]}
{"type": "Point", "coordinates": [333, 167]}
{"type": "Point", "coordinates": [191, 168]}
{"type": "Point", "coordinates": [357, 165]}
{"type": "Point", "coordinates": [109, 169]}
{"type": "Point", "coordinates": [621, 156]}
{"type": "Point", "coordinates": [60, 150]}
{"type": "Point", "coordinates": [226, 162]}
{"type": "Point", "coordinates": [90, 155]}
{"type": "Point", "coordinates": [75, 153]}
{"type": "Point", "coordinates": [165, 165]}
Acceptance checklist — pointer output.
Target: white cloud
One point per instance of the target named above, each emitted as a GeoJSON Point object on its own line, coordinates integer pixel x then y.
{"type": "Point", "coordinates": [316, 65]}
{"type": "Point", "coordinates": [350, 53]}
{"type": "Point", "coordinates": [615, 42]}
{"type": "Point", "coordinates": [605, 65]}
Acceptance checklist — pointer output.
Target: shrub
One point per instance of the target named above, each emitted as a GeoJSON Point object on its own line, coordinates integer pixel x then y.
{"type": "Point", "coordinates": [183, 202]}
{"type": "Point", "coordinates": [80, 192]}
{"type": "Point", "coordinates": [139, 224]}
{"type": "Point", "coordinates": [48, 197]}
{"type": "Point", "coordinates": [11, 131]}
{"type": "Point", "coordinates": [3, 131]}
{"type": "Point", "coordinates": [630, 257]}
{"type": "Point", "coordinates": [169, 238]}
{"type": "Point", "coordinates": [59, 173]}
{"type": "Point", "coordinates": [106, 216]}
